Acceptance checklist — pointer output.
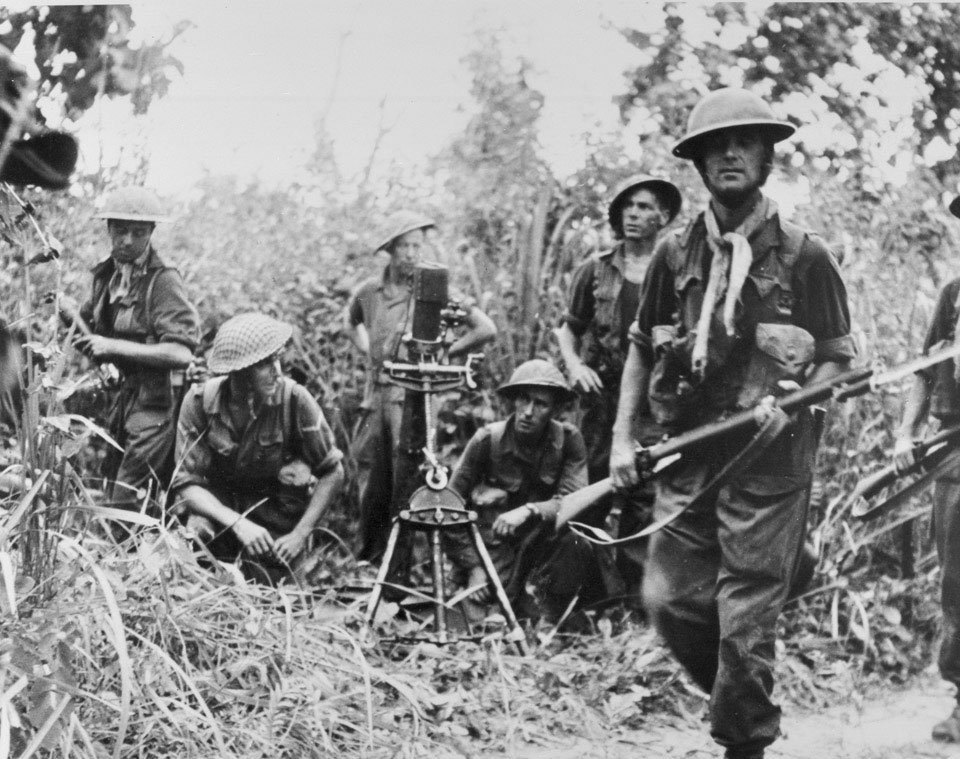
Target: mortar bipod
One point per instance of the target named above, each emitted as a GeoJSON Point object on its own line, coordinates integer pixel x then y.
{"type": "Point", "coordinates": [433, 511]}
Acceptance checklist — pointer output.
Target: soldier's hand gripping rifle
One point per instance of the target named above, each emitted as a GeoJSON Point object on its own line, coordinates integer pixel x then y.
{"type": "Point", "coordinates": [932, 457]}
{"type": "Point", "coordinates": [845, 385]}
{"type": "Point", "coordinates": [108, 373]}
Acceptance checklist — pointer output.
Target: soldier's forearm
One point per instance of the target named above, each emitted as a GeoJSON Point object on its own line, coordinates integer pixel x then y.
{"type": "Point", "coordinates": [915, 408]}
{"type": "Point", "coordinates": [569, 345]}
{"type": "Point", "coordinates": [326, 491]}
{"type": "Point", "coordinates": [198, 500]}
{"type": "Point", "coordinates": [166, 355]}
{"type": "Point", "coordinates": [633, 387]}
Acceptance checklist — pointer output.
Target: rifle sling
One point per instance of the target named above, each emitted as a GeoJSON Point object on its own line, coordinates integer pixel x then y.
{"type": "Point", "coordinates": [774, 425]}
{"type": "Point", "coordinates": [949, 462]}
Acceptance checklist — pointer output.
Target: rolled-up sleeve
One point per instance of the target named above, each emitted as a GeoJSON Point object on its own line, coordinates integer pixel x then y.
{"type": "Point", "coordinates": [821, 305]}
{"type": "Point", "coordinates": [318, 446]}
{"type": "Point", "coordinates": [581, 304]}
{"type": "Point", "coordinates": [174, 317]}
{"type": "Point", "coordinates": [192, 450]}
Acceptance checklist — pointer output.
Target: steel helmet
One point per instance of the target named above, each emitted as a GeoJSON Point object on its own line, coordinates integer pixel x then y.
{"type": "Point", "coordinates": [726, 108]}
{"type": "Point", "coordinates": [665, 191]}
{"type": "Point", "coordinates": [133, 204]}
{"type": "Point", "coordinates": [400, 223]}
{"type": "Point", "coordinates": [246, 339]}
{"type": "Point", "coordinates": [955, 206]}
{"type": "Point", "coordinates": [537, 373]}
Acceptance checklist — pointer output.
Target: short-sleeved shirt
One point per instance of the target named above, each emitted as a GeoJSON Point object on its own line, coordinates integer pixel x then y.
{"type": "Point", "coordinates": [944, 394]}
{"type": "Point", "coordinates": [555, 466]}
{"type": "Point", "coordinates": [214, 453]}
{"type": "Point", "coordinates": [812, 296]}
{"type": "Point", "coordinates": [167, 315]}
{"type": "Point", "coordinates": [606, 323]}
{"type": "Point", "coordinates": [386, 310]}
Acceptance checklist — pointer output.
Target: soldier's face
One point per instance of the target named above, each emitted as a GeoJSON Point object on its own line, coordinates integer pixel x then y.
{"type": "Point", "coordinates": [128, 239]}
{"type": "Point", "coordinates": [262, 378]}
{"type": "Point", "coordinates": [733, 163]}
{"type": "Point", "coordinates": [406, 250]}
{"type": "Point", "coordinates": [642, 217]}
{"type": "Point", "coordinates": [533, 408]}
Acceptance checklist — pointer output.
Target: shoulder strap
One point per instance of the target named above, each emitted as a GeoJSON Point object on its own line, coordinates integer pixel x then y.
{"type": "Point", "coordinates": [496, 437]}
{"type": "Point", "coordinates": [288, 385]}
{"type": "Point", "coordinates": [793, 237]}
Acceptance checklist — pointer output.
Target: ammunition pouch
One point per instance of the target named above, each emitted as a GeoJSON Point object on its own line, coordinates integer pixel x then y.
{"type": "Point", "coordinates": [668, 384]}
{"type": "Point", "coordinates": [780, 352]}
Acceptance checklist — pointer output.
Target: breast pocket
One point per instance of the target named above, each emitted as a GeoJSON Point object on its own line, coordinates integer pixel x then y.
{"type": "Point", "coordinates": [775, 300]}
{"type": "Point", "coordinates": [268, 456]}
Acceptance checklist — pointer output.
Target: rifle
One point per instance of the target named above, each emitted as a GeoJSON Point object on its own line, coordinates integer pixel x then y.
{"type": "Point", "coordinates": [932, 457]}
{"type": "Point", "coordinates": [848, 384]}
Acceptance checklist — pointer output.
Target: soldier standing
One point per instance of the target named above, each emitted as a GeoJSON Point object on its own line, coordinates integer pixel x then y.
{"type": "Point", "coordinates": [593, 341]}
{"type": "Point", "coordinates": [936, 392]}
{"type": "Point", "coordinates": [143, 322]}
{"type": "Point", "coordinates": [377, 317]}
{"type": "Point", "coordinates": [741, 305]}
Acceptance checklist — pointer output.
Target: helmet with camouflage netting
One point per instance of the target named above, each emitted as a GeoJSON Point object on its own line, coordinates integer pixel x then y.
{"type": "Point", "coordinates": [245, 340]}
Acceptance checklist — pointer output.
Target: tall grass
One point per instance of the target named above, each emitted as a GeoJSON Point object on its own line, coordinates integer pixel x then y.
{"type": "Point", "coordinates": [136, 649]}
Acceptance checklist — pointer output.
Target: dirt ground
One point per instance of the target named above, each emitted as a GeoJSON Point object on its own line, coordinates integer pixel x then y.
{"type": "Point", "coordinates": [891, 724]}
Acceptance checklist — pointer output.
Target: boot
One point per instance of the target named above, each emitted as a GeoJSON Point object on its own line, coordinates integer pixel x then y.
{"type": "Point", "coordinates": [948, 731]}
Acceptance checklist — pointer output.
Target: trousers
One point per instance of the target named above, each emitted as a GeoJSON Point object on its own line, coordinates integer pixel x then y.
{"type": "Point", "coordinates": [146, 431]}
{"type": "Point", "coordinates": [946, 527]}
{"type": "Point", "coordinates": [716, 581]}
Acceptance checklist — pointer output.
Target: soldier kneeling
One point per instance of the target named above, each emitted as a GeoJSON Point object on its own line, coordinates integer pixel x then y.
{"type": "Point", "coordinates": [513, 473]}
{"type": "Point", "coordinates": [257, 463]}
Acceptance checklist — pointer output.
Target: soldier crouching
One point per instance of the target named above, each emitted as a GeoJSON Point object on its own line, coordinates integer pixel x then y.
{"type": "Point", "coordinates": [250, 445]}
{"type": "Point", "coordinates": [513, 474]}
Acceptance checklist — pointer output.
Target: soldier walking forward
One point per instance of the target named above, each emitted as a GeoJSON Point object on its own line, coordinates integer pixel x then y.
{"type": "Point", "coordinates": [936, 392]}
{"type": "Point", "coordinates": [739, 306]}
{"type": "Point", "coordinates": [593, 342]}
{"type": "Point", "coordinates": [143, 322]}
